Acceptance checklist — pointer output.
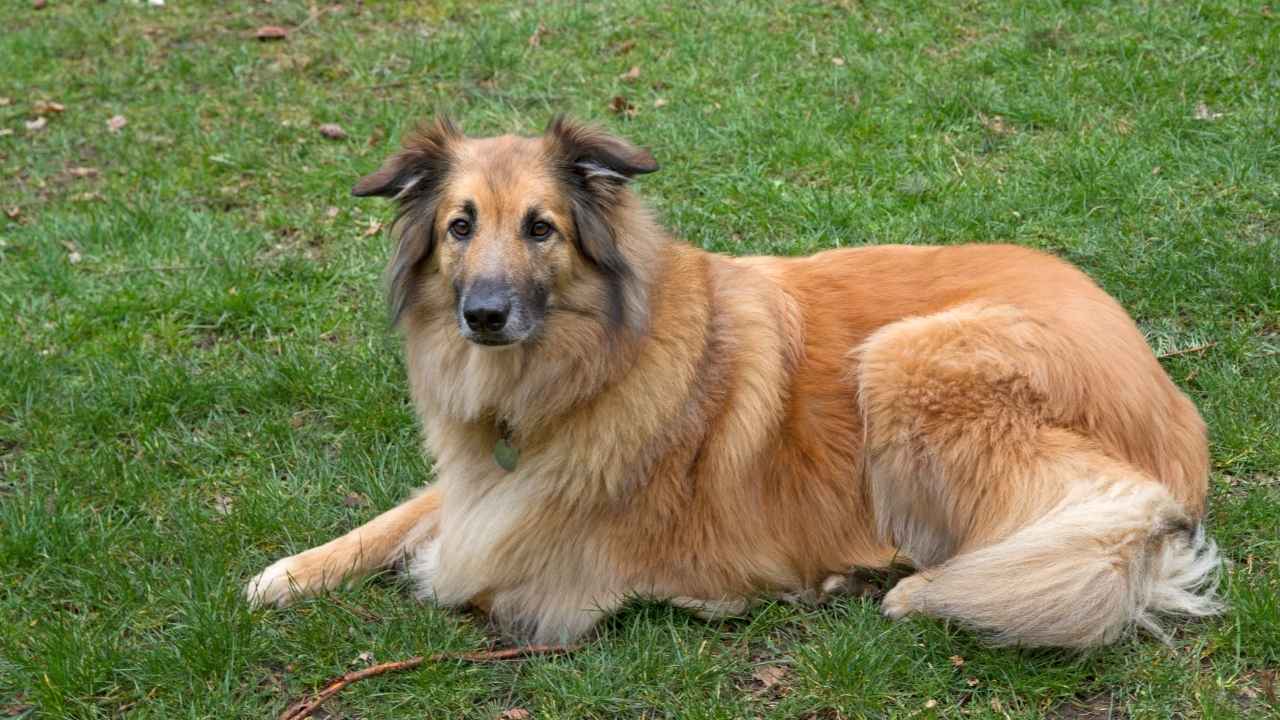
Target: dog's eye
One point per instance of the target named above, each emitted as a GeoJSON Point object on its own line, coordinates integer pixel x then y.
{"type": "Point", "coordinates": [540, 230]}
{"type": "Point", "coordinates": [460, 228]}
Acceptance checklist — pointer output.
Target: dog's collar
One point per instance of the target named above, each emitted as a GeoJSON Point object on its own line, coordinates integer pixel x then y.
{"type": "Point", "coordinates": [505, 454]}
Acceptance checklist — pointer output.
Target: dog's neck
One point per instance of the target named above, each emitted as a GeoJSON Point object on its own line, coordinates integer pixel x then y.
{"type": "Point", "coordinates": [600, 416]}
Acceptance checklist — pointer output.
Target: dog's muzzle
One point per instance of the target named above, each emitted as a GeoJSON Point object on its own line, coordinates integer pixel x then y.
{"type": "Point", "coordinates": [490, 313]}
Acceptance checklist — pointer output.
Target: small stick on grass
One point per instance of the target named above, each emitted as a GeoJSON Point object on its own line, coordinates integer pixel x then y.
{"type": "Point", "coordinates": [1187, 351]}
{"type": "Point", "coordinates": [303, 708]}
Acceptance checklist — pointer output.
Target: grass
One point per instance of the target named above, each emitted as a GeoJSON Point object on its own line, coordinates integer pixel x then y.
{"type": "Point", "coordinates": [196, 376]}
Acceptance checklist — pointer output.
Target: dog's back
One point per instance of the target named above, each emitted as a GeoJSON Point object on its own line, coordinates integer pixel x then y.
{"type": "Point", "coordinates": [1100, 377]}
{"type": "Point", "coordinates": [1022, 445]}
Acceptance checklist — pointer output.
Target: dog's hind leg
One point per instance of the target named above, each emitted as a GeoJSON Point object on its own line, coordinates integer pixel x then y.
{"type": "Point", "coordinates": [377, 544]}
{"type": "Point", "coordinates": [1021, 526]}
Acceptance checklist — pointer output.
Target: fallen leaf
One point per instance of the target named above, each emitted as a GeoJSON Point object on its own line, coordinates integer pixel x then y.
{"type": "Point", "coordinates": [45, 107]}
{"type": "Point", "coordinates": [355, 500]}
{"type": "Point", "coordinates": [331, 213]}
{"type": "Point", "coordinates": [971, 682]}
{"type": "Point", "coordinates": [535, 40]}
{"type": "Point", "coordinates": [271, 32]}
{"type": "Point", "coordinates": [515, 714]}
{"type": "Point", "coordinates": [659, 103]}
{"type": "Point", "coordinates": [5, 102]}
{"type": "Point", "coordinates": [37, 124]}
{"type": "Point", "coordinates": [116, 122]}
{"type": "Point", "coordinates": [995, 123]}
{"type": "Point", "coordinates": [957, 661]}
{"type": "Point", "coordinates": [13, 212]}
{"type": "Point", "coordinates": [769, 677]}
{"type": "Point", "coordinates": [1204, 113]}
{"type": "Point", "coordinates": [333, 131]}
{"type": "Point", "coordinates": [375, 225]}
{"type": "Point", "coordinates": [39, 4]}
{"type": "Point", "coordinates": [624, 47]}
{"type": "Point", "coordinates": [837, 61]}
{"type": "Point", "coordinates": [620, 106]}
{"type": "Point", "coordinates": [222, 504]}
{"type": "Point", "coordinates": [631, 75]}
{"type": "Point", "coordinates": [83, 172]}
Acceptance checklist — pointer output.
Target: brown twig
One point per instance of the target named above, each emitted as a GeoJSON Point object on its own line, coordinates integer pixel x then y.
{"type": "Point", "coordinates": [1185, 351]}
{"type": "Point", "coordinates": [305, 707]}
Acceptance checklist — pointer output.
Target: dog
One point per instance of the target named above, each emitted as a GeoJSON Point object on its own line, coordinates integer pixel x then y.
{"type": "Point", "coordinates": [614, 414]}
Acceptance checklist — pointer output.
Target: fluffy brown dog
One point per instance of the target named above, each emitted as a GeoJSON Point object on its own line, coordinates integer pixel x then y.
{"type": "Point", "coordinates": [613, 413]}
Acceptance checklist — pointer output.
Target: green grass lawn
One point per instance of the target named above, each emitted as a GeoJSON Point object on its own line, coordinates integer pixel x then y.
{"type": "Point", "coordinates": [196, 374]}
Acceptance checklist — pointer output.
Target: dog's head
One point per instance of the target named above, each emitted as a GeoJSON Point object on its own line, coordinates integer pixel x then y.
{"type": "Point", "coordinates": [508, 223]}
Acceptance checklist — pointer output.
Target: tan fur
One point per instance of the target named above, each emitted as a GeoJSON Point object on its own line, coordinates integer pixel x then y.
{"type": "Point", "coordinates": [753, 427]}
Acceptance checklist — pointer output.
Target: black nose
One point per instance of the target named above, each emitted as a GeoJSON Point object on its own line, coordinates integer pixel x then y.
{"type": "Point", "coordinates": [486, 310]}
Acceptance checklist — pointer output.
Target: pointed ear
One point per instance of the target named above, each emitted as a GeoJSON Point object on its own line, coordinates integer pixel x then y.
{"type": "Point", "coordinates": [424, 157]}
{"type": "Point", "coordinates": [593, 154]}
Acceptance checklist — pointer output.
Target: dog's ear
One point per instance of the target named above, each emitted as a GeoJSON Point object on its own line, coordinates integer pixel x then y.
{"type": "Point", "coordinates": [413, 177]}
{"type": "Point", "coordinates": [593, 154]}
{"type": "Point", "coordinates": [424, 158]}
{"type": "Point", "coordinates": [596, 167]}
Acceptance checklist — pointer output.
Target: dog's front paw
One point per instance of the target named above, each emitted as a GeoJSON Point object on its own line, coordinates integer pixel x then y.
{"type": "Point", "coordinates": [280, 584]}
{"type": "Point", "coordinates": [905, 598]}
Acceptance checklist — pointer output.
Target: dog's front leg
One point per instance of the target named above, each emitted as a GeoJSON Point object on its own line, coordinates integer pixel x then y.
{"type": "Point", "coordinates": [370, 547]}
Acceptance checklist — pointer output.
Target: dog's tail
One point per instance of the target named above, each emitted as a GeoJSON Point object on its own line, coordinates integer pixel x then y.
{"type": "Point", "coordinates": [1102, 561]}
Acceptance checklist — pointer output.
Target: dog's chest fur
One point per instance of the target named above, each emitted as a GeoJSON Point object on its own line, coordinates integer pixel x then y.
{"type": "Point", "coordinates": [611, 495]}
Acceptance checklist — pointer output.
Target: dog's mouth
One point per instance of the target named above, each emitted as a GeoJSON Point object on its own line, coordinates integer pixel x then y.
{"type": "Point", "coordinates": [490, 341]}
{"type": "Point", "coordinates": [497, 320]}
{"type": "Point", "coordinates": [512, 334]}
